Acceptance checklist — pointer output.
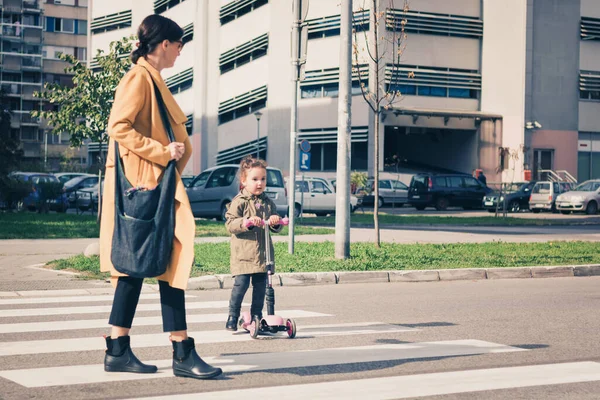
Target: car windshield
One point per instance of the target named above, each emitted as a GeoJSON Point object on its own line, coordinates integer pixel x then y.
{"type": "Point", "coordinates": [588, 187]}
{"type": "Point", "coordinates": [514, 187]}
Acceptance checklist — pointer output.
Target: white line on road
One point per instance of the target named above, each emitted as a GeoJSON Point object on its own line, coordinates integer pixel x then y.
{"type": "Point", "coordinates": [161, 339]}
{"type": "Point", "coordinates": [73, 299]}
{"type": "Point", "coordinates": [85, 374]}
{"type": "Point", "coordinates": [50, 326]}
{"type": "Point", "coordinates": [411, 386]}
{"type": "Point", "coordinates": [31, 312]}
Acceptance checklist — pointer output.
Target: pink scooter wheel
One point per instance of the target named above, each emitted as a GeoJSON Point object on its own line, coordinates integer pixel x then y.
{"type": "Point", "coordinates": [291, 328]}
{"type": "Point", "coordinates": [254, 327]}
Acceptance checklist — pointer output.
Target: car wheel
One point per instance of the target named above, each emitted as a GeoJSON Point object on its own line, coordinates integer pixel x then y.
{"type": "Point", "coordinates": [297, 210]}
{"type": "Point", "coordinates": [380, 202]}
{"type": "Point", "coordinates": [223, 212]}
{"type": "Point", "coordinates": [514, 207]}
{"type": "Point", "coordinates": [592, 208]}
{"type": "Point", "coordinates": [441, 204]}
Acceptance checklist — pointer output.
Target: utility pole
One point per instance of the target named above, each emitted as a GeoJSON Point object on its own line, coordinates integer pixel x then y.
{"type": "Point", "coordinates": [299, 42]}
{"type": "Point", "coordinates": [342, 202]}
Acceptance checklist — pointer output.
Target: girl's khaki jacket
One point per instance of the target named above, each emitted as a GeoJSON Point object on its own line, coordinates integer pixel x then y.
{"type": "Point", "coordinates": [136, 125]}
{"type": "Point", "coordinates": [248, 244]}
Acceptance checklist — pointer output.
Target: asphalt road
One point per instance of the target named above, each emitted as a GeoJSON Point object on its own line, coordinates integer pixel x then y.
{"type": "Point", "coordinates": [518, 339]}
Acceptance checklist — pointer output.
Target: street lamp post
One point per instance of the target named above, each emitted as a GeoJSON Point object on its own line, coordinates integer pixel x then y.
{"type": "Point", "coordinates": [258, 114]}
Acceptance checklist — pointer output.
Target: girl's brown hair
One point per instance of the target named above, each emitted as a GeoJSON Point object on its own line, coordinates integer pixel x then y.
{"type": "Point", "coordinates": [248, 163]}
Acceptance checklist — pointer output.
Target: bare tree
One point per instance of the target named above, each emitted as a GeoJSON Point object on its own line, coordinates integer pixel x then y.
{"type": "Point", "coordinates": [382, 49]}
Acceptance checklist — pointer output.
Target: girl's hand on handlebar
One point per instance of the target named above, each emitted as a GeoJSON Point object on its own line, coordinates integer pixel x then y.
{"type": "Point", "coordinates": [274, 220]}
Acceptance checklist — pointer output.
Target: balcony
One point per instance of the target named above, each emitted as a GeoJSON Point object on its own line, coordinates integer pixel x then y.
{"type": "Point", "coordinates": [11, 89]}
{"type": "Point", "coordinates": [25, 118]}
{"type": "Point", "coordinates": [31, 5]}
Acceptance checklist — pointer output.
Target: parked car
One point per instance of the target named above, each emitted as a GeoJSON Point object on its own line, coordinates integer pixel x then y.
{"type": "Point", "coordinates": [544, 194]}
{"type": "Point", "coordinates": [445, 190]}
{"type": "Point", "coordinates": [187, 179]}
{"type": "Point", "coordinates": [585, 197]}
{"type": "Point", "coordinates": [391, 191]}
{"type": "Point", "coordinates": [59, 203]}
{"type": "Point", "coordinates": [317, 195]}
{"type": "Point", "coordinates": [87, 198]}
{"type": "Point", "coordinates": [73, 186]}
{"type": "Point", "coordinates": [515, 196]}
{"type": "Point", "coordinates": [64, 177]}
{"type": "Point", "coordinates": [213, 189]}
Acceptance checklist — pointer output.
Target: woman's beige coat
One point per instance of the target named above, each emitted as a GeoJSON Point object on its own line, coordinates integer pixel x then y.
{"type": "Point", "coordinates": [135, 123]}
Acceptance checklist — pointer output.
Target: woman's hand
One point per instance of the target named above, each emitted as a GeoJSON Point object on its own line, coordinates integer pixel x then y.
{"type": "Point", "coordinates": [177, 149]}
{"type": "Point", "coordinates": [274, 220]}
{"type": "Point", "coordinates": [256, 221]}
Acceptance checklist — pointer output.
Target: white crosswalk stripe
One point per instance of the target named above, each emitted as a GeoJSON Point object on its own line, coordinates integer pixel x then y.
{"type": "Point", "coordinates": [205, 337]}
{"type": "Point", "coordinates": [139, 321]}
{"type": "Point", "coordinates": [414, 386]}
{"type": "Point", "coordinates": [85, 374]}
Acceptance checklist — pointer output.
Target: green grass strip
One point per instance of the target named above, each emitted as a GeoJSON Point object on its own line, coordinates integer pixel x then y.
{"type": "Point", "coordinates": [213, 258]}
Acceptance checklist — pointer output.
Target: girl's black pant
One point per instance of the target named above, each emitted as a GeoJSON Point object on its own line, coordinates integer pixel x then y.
{"type": "Point", "coordinates": [240, 286]}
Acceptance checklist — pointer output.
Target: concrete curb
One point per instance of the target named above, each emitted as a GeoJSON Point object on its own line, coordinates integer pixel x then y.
{"type": "Point", "coordinates": [345, 277]}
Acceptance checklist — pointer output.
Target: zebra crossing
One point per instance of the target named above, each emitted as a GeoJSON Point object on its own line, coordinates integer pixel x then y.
{"type": "Point", "coordinates": [62, 326]}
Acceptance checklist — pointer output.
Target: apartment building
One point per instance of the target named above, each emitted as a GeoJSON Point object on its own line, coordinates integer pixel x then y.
{"type": "Point", "coordinates": [65, 31]}
{"type": "Point", "coordinates": [21, 67]}
{"type": "Point", "coordinates": [34, 33]}
{"type": "Point", "coordinates": [475, 94]}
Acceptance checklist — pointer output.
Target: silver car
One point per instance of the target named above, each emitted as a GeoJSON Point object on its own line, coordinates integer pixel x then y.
{"type": "Point", "coordinates": [584, 197]}
{"type": "Point", "coordinates": [213, 189]}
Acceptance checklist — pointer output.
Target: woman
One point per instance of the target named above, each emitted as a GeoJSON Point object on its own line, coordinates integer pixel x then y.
{"type": "Point", "coordinates": [135, 124]}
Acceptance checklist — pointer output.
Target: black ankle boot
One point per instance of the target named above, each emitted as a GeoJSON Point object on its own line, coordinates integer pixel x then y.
{"type": "Point", "coordinates": [120, 358]}
{"type": "Point", "coordinates": [187, 363]}
{"type": "Point", "coordinates": [232, 323]}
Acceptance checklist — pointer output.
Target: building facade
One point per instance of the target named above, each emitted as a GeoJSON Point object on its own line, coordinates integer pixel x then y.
{"type": "Point", "coordinates": [475, 94]}
{"type": "Point", "coordinates": [34, 33]}
{"type": "Point", "coordinates": [65, 31]}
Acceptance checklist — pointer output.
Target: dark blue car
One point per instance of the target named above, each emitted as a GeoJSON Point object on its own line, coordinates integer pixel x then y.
{"type": "Point", "coordinates": [31, 202]}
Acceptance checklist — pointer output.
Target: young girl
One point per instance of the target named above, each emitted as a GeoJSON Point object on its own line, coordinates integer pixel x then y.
{"type": "Point", "coordinates": [244, 220]}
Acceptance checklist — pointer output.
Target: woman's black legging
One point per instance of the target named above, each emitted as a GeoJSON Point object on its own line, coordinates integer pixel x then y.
{"type": "Point", "coordinates": [127, 295]}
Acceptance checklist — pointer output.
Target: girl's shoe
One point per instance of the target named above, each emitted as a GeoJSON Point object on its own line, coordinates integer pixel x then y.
{"type": "Point", "coordinates": [187, 363]}
{"type": "Point", "coordinates": [232, 323]}
{"type": "Point", "coordinates": [120, 358]}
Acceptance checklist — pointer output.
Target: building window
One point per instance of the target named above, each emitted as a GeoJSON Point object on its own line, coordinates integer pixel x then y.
{"type": "Point", "coordinates": [181, 81]}
{"type": "Point", "coordinates": [433, 81]}
{"type": "Point", "coordinates": [434, 23]}
{"type": "Point", "coordinates": [160, 6]}
{"type": "Point", "coordinates": [237, 8]}
{"type": "Point", "coordinates": [188, 33]}
{"type": "Point", "coordinates": [324, 147]}
{"type": "Point", "coordinates": [589, 85]}
{"type": "Point", "coordinates": [54, 52]}
{"type": "Point", "coordinates": [189, 125]}
{"type": "Point", "coordinates": [243, 104]}
{"type": "Point", "coordinates": [66, 25]}
{"type": "Point", "coordinates": [111, 22]}
{"type": "Point", "coordinates": [234, 155]}
{"type": "Point", "coordinates": [244, 53]}
{"type": "Point", "coordinates": [330, 25]}
{"type": "Point", "coordinates": [590, 28]}
{"type": "Point", "coordinates": [325, 82]}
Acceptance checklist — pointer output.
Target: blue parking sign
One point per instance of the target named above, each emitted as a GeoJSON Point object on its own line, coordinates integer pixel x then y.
{"type": "Point", "coordinates": [304, 161]}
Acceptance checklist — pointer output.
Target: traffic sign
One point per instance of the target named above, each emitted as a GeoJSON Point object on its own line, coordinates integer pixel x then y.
{"type": "Point", "coordinates": [305, 146]}
{"type": "Point", "coordinates": [304, 161]}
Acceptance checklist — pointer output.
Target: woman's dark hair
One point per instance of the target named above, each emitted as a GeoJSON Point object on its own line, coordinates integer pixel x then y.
{"type": "Point", "coordinates": [152, 31]}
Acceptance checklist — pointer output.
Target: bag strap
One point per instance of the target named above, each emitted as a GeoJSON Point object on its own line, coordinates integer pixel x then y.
{"type": "Point", "coordinates": [163, 113]}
